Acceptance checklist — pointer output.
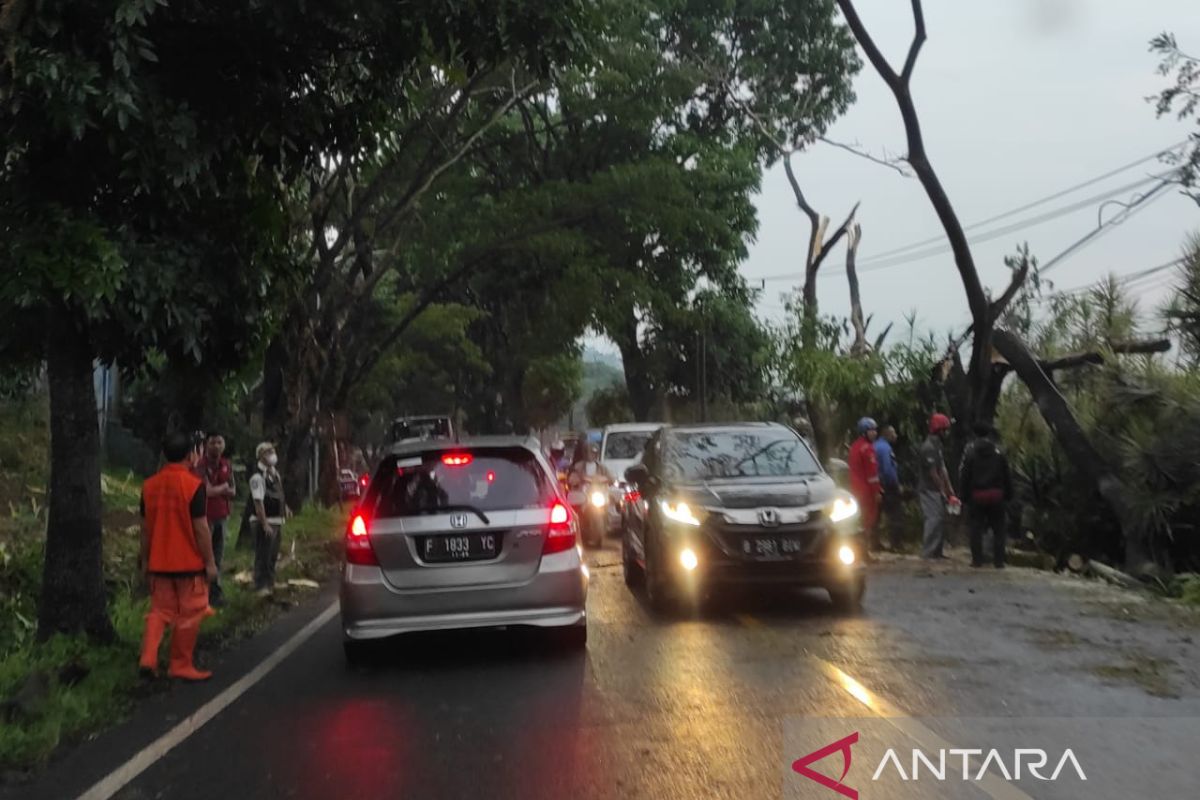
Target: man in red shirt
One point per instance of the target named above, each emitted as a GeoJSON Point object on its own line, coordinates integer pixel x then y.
{"type": "Point", "coordinates": [864, 477]}
{"type": "Point", "coordinates": [177, 559]}
{"type": "Point", "coordinates": [218, 486]}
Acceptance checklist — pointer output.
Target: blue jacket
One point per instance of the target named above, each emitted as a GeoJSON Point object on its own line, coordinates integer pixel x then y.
{"type": "Point", "coordinates": [889, 476]}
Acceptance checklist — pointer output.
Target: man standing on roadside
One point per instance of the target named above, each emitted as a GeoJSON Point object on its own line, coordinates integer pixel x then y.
{"type": "Point", "coordinates": [218, 486]}
{"type": "Point", "coordinates": [935, 490]}
{"type": "Point", "coordinates": [889, 481]}
{"type": "Point", "coordinates": [265, 513]}
{"type": "Point", "coordinates": [864, 478]}
{"type": "Point", "coordinates": [177, 560]}
{"type": "Point", "coordinates": [986, 482]}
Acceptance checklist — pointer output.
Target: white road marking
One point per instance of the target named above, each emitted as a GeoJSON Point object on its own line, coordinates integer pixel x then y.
{"type": "Point", "coordinates": [127, 772]}
{"type": "Point", "coordinates": [928, 740]}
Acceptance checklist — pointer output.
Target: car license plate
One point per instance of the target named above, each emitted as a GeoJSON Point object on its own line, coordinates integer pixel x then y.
{"type": "Point", "coordinates": [771, 547]}
{"type": "Point", "coordinates": [459, 547]}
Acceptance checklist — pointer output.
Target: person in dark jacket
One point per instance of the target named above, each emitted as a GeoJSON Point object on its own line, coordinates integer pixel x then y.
{"type": "Point", "coordinates": [986, 483]}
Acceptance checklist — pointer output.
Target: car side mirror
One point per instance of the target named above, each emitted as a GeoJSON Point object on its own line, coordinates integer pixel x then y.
{"type": "Point", "coordinates": [638, 475]}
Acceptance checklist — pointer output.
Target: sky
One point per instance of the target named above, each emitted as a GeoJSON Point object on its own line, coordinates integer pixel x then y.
{"type": "Point", "coordinates": [1018, 99]}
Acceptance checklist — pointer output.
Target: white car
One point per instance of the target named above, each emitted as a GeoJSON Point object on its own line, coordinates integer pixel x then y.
{"type": "Point", "coordinates": [621, 447]}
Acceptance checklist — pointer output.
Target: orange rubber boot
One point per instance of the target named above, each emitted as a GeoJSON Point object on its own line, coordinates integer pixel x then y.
{"type": "Point", "coordinates": [183, 647]}
{"type": "Point", "coordinates": [156, 625]}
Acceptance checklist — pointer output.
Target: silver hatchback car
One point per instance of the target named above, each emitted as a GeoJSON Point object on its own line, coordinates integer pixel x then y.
{"type": "Point", "coordinates": [464, 534]}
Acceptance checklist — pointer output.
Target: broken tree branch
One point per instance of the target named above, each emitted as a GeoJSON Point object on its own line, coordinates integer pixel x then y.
{"type": "Point", "coordinates": [859, 151]}
{"type": "Point", "coordinates": [1141, 347]}
{"type": "Point", "coordinates": [1020, 275]}
{"type": "Point", "coordinates": [853, 237]}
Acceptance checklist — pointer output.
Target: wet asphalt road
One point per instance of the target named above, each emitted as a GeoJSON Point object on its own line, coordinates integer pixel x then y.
{"type": "Point", "coordinates": [713, 704]}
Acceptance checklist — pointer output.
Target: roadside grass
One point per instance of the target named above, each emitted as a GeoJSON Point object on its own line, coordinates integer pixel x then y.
{"type": "Point", "coordinates": [67, 688]}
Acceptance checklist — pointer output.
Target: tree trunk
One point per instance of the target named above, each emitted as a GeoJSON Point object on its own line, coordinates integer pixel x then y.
{"type": "Point", "coordinates": [289, 409]}
{"type": "Point", "coordinates": [819, 419]}
{"type": "Point", "coordinates": [1079, 449]}
{"type": "Point", "coordinates": [853, 237]}
{"type": "Point", "coordinates": [73, 597]}
{"type": "Point", "coordinates": [638, 381]}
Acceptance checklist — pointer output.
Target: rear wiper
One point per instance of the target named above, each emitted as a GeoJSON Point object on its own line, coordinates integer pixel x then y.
{"type": "Point", "coordinates": [472, 509]}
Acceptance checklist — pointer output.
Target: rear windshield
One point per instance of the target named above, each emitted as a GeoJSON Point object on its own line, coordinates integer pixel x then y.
{"type": "Point", "coordinates": [492, 480]}
{"type": "Point", "coordinates": [430, 428]}
{"type": "Point", "coordinates": [751, 453]}
{"type": "Point", "coordinates": [626, 445]}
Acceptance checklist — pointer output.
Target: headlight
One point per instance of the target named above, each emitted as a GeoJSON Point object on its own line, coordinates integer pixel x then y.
{"type": "Point", "coordinates": [687, 557]}
{"type": "Point", "coordinates": [846, 555]}
{"type": "Point", "coordinates": [679, 512]}
{"type": "Point", "coordinates": [599, 499]}
{"type": "Point", "coordinates": [843, 509]}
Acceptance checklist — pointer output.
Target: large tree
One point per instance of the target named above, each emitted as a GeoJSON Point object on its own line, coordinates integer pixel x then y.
{"type": "Point", "coordinates": [145, 148]}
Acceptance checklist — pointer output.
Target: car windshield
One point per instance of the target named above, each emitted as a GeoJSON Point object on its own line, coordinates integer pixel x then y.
{"type": "Point", "coordinates": [490, 480]}
{"type": "Point", "coordinates": [750, 453]}
{"type": "Point", "coordinates": [626, 445]}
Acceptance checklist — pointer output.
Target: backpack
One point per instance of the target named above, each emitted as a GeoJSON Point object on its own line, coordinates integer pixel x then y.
{"type": "Point", "coordinates": [989, 473]}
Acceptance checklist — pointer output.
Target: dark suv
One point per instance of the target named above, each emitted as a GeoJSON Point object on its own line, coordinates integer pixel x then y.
{"type": "Point", "coordinates": [744, 503]}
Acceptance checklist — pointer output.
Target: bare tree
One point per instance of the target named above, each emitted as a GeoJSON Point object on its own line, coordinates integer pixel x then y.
{"type": "Point", "coordinates": [985, 373]}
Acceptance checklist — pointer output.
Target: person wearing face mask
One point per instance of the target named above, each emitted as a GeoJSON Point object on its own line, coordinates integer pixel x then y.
{"type": "Point", "coordinates": [217, 475]}
{"type": "Point", "coordinates": [265, 513]}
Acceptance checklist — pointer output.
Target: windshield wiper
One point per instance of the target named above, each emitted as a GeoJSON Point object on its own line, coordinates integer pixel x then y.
{"type": "Point", "coordinates": [472, 509]}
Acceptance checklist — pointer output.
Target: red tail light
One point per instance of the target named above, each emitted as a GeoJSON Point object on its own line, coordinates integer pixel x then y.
{"type": "Point", "coordinates": [364, 479]}
{"type": "Point", "coordinates": [457, 459]}
{"type": "Point", "coordinates": [632, 496]}
{"type": "Point", "coordinates": [560, 535]}
{"type": "Point", "coordinates": [358, 543]}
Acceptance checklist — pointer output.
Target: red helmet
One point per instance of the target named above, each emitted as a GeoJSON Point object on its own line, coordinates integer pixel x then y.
{"type": "Point", "coordinates": [939, 423]}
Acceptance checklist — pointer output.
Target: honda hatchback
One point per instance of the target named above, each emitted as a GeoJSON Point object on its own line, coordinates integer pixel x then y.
{"type": "Point", "coordinates": [465, 534]}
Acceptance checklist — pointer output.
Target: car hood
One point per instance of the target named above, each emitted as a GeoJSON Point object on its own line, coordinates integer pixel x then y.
{"type": "Point", "coordinates": [751, 493]}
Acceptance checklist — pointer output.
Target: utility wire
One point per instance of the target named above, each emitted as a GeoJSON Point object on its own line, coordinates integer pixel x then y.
{"type": "Point", "coordinates": [983, 237]}
{"type": "Point", "coordinates": [873, 261]}
{"type": "Point", "coordinates": [1034, 204]}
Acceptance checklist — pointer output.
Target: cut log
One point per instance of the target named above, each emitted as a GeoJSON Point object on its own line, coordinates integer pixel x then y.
{"type": "Point", "coordinates": [1114, 576]}
{"type": "Point", "coordinates": [1076, 562]}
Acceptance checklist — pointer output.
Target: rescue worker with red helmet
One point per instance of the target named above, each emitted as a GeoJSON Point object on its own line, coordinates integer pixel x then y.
{"type": "Point", "coordinates": [934, 489]}
{"type": "Point", "coordinates": [177, 559]}
{"type": "Point", "coordinates": [864, 478]}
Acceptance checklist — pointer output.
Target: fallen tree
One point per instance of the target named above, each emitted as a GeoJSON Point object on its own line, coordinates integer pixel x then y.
{"type": "Point", "coordinates": [978, 386]}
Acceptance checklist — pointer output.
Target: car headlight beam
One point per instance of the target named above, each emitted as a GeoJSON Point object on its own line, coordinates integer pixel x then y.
{"type": "Point", "coordinates": [679, 512]}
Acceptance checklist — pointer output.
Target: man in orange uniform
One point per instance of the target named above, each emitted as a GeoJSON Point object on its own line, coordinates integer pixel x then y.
{"type": "Point", "coordinates": [177, 560]}
{"type": "Point", "coordinates": [864, 478]}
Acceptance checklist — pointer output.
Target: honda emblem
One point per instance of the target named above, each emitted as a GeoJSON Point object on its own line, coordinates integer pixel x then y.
{"type": "Point", "coordinates": [768, 517]}
{"type": "Point", "coordinates": [458, 520]}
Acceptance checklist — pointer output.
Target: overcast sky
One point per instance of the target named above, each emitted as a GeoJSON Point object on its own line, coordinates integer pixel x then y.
{"type": "Point", "coordinates": [1018, 99]}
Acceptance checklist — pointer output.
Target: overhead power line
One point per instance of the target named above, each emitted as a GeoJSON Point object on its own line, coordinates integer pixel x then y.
{"type": "Point", "coordinates": [1040, 201]}
{"type": "Point", "coordinates": [893, 259]}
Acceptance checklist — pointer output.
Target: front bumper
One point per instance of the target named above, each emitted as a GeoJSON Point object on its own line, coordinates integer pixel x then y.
{"type": "Point", "coordinates": [721, 563]}
{"type": "Point", "coordinates": [556, 596]}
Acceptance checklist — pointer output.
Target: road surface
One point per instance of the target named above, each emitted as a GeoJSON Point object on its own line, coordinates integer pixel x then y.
{"type": "Point", "coordinates": [711, 705]}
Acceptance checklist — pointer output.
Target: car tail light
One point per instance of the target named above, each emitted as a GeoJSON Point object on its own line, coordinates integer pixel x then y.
{"type": "Point", "coordinates": [364, 479]}
{"type": "Point", "coordinates": [632, 496]}
{"type": "Point", "coordinates": [358, 543]}
{"type": "Point", "coordinates": [560, 535]}
{"type": "Point", "coordinates": [457, 459]}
